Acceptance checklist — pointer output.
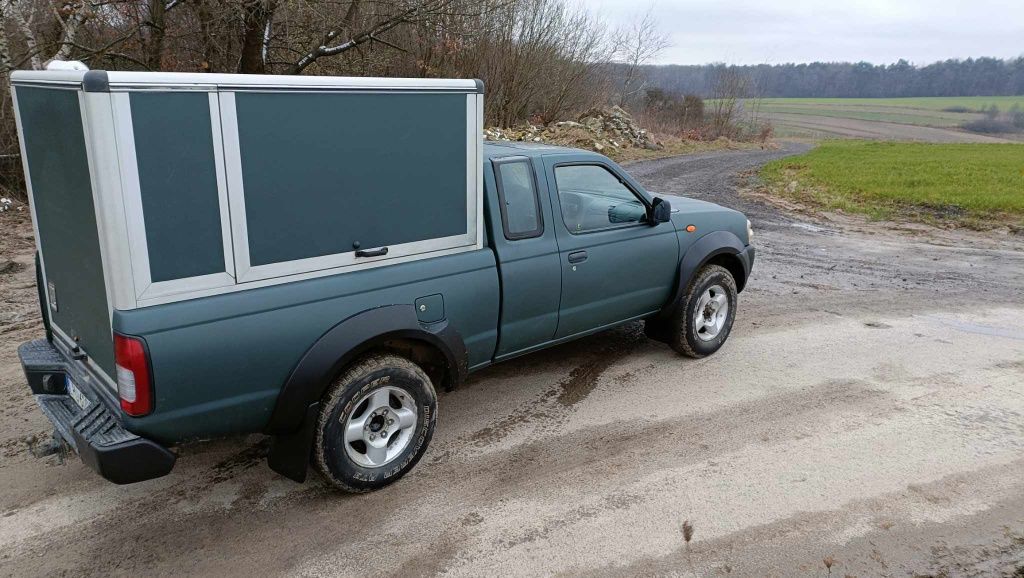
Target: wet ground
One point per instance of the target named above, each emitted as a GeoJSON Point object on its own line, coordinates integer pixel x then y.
{"type": "Point", "coordinates": [868, 410]}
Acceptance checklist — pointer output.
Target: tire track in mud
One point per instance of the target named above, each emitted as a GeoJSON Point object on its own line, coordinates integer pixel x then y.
{"type": "Point", "coordinates": [170, 518]}
{"type": "Point", "coordinates": [761, 550]}
{"type": "Point", "coordinates": [676, 452]}
{"type": "Point", "coordinates": [535, 470]}
{"type": "Point", "coordinates": [543, 411]}
{"type": "Point", "coordinates": [657, 443]}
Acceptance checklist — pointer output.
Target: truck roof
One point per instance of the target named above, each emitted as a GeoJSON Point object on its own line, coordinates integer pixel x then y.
{"type": "Point", "coordinates": [498, 149]}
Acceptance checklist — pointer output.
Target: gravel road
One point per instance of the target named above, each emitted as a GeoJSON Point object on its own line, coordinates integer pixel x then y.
{"type": "Point", "coordinates": [868, 409]}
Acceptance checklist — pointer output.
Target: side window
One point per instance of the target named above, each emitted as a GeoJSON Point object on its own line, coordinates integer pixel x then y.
{"type": "Point", "coordinates": [593, 198]}
{"type": "Point", "coordinates": [517, 192]}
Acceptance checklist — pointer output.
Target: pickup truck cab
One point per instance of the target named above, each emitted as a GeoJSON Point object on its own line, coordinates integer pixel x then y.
{"type": "Point", "coordinates": [222, 255]}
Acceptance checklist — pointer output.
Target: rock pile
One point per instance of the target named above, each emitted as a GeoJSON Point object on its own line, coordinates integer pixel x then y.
{"type": "Point", "coordinates": [618, 125]}
{"type": "Point", "coordinates": [597, 129]}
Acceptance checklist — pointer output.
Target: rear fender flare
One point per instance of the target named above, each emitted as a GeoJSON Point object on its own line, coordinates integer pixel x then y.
{"type": "Point", "coordinates": [344, 343]}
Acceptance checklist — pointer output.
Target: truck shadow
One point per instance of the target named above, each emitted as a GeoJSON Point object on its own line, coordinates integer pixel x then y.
{"type": "Point", "coordinates": [545, 392]}
{"type": "Point", "coordinates": [601, 349]}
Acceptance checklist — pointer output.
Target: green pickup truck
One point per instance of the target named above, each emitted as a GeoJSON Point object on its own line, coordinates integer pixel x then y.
{"type": "Point", "coordinates": [312, 257]}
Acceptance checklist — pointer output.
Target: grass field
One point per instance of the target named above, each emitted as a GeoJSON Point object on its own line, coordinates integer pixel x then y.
{"type": "Point", "coordinates": [972, 184]}
{"type": "Point", "coordinates": [796, 116]}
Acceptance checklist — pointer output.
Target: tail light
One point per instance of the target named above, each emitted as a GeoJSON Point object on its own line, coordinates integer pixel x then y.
{"type": "Point", "coordinates": [133, 384]}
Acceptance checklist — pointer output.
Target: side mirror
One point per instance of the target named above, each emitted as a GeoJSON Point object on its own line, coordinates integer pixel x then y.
{"type": "Point", "coordinates": [661, 211]}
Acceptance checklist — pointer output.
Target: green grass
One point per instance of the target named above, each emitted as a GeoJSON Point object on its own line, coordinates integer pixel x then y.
{"type": "Point", "coordinates": [971, 184]}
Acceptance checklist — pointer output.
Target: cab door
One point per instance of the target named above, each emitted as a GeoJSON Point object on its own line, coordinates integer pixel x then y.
{"type": "Point", "coordinates": [523, 237]}
{"type": "Point", "coordinates": [615, 266]}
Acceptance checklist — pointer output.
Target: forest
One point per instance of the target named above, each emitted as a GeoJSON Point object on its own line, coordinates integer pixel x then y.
{"type": "Point", "coordinates": [970, 77]}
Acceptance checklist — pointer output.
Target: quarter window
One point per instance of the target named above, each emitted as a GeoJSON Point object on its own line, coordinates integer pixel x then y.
{"type": "Point", "coordinates": [520, 208]}
{"type": "Point", "coordinates": [593, 198]}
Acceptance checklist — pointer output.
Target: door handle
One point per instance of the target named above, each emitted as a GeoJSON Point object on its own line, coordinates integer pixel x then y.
{"type": "Point", "coordinates": [577, 256]}
{"type": "Point", "coordinates": [372, 252]}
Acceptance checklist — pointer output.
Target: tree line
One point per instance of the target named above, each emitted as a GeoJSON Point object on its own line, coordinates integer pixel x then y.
{"type": "Point", "coordinates": [970, 77]}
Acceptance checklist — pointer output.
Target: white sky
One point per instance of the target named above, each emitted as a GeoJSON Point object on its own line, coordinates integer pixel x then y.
{"type": "Point", "coordinates": [877, 31]}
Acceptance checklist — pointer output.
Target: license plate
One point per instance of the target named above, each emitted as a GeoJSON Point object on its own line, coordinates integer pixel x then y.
{"type": "Point", "coordinates": [77, 395]}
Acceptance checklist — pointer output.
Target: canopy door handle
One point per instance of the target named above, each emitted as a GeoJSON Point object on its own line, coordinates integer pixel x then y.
{"type": "Point", "coordinates": [372, 252]}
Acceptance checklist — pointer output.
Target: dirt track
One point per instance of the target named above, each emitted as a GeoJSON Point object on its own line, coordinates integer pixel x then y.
{"type": "Point", "coordinates": [834, 127]}
{"type": "Point", "coordinates": [868, 407]}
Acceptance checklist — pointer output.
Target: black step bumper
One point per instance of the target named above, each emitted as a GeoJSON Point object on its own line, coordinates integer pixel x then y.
{"type": "Point", "coordinates": [94, 432]}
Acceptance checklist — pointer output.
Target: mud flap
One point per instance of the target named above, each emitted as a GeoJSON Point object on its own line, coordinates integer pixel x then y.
{"type": "Point", "coordinates": [289, 453]}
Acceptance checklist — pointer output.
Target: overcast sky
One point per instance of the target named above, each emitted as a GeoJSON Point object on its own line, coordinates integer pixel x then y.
{"type": "Point", "coordinates": [878, 31]}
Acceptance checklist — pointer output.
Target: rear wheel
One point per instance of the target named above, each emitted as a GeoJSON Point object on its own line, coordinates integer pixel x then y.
{"type": "Point", "coordinates": [702, 322]}
{"type": "Point", "coordinates": [376, 421]}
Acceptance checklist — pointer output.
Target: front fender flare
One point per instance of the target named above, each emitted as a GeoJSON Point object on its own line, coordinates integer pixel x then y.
{"type": "Point", "coordinates": [699, 253]}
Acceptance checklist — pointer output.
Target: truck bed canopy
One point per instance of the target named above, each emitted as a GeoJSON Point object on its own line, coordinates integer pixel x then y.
{"type": "Point", "coordinates": [151, 187]}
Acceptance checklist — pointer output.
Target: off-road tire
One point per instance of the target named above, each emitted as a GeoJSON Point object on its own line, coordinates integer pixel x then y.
{"type": "Point", "coordinates": [683, 336]}
{"type": "Point", "coordinates": [364, 376]}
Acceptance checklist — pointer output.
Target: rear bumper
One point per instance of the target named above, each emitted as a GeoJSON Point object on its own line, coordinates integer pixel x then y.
{"type": "Point", "coordinates": [94, 432]}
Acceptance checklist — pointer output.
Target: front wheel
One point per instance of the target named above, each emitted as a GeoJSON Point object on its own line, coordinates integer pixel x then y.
{"type": "Point", "coordinates": [375, 423]}
{"type": "Point", "coordinates": [702, 322]}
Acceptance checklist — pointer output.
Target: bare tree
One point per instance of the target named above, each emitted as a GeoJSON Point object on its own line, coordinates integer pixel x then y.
{"type": "Point", "coordinates": [638, 44]}
{"type": "Point", "coordinates": [71, 18]}
{"type": "Point", "coordinates": [577, 72]}
{"type": "Point", "coordinates": [257, 19]}
{"type": "Point", "coordinates": [152, 31]}
{"type": "Point", "coordinates": [5, 49]}
{"type": "Point", "coordinates": [17, 10]}
{"type": "Point", "coordinates": [540, 59]}
{"type": "Point", "coordinates": [728, 89]}
{"type": "Point", "coordinates": [341, 36]}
